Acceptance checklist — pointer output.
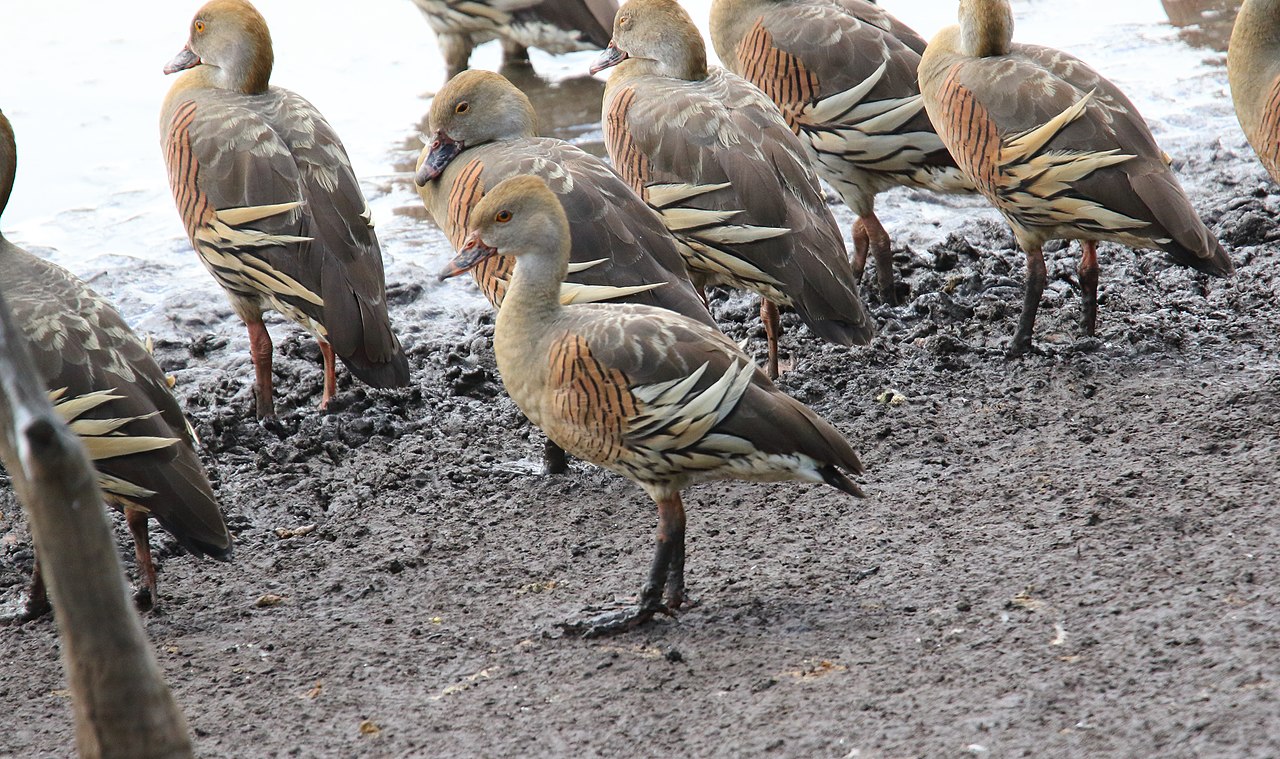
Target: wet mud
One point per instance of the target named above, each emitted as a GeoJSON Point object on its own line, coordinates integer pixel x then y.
{"type": "Point", "coordinates": [1070, 554]}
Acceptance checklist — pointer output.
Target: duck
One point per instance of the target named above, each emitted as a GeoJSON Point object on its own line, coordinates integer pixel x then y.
{"type": "Point", "coordinates": [271, 205]}
{"type": "Point", "coordinates": [556, 26]}
{"type": "Point", "coordinates": [1060, 151]}
{"type": "Point", "coordinates": [713, 155]}
{"type": "Point", "coordinates": [1253, 71]}
{"type": "Point", "coordinates": [483, 129]}
{"type": "Point", "coordinates": [657, 397]}
{"type": "Point", "coordinates": [104, 383]}
{"type": "Point", "coordinates": [843, 72]}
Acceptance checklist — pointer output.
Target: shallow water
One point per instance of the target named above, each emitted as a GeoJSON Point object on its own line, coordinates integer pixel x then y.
{"type": "Point", "coordinates": [83, 89]}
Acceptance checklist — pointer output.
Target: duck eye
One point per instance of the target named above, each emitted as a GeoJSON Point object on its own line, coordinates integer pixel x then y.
{"type": "Point", "coordinates": [462, 107]}
{"type": "Point", "coordinates": [502, 217]}
{"type": "Point", "coordinates": [199, 27]}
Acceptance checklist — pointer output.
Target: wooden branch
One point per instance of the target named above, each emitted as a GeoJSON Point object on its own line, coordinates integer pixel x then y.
{"type": "Point", "coordinates": [123, 709]}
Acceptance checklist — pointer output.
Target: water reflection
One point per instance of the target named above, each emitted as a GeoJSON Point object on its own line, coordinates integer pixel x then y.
{"type": "Point", "coordinates": [1203, 23]}
{"type": "Point", "coordinates": [568, 108]}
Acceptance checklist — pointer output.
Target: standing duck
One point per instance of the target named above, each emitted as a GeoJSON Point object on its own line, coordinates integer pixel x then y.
{"type": "Point", "coordinates": [844, 74]}
{"type": "Point", "coordinates": [105, 385]}
{"type": "Point", "coordinates": [656, 397]}
{"type": "Point", "coordinates": [1059, 150]}
{"type": "Point", "coordinates": [557, 26]}
{"type": "Point", "coordinates": [1253, 68]}
{"type": "Point", "coordinates": [713, 155]}
{"type": "Point", "coordinates": [484, 130]}
{"type": "Point", "coordinates": [271, 205]}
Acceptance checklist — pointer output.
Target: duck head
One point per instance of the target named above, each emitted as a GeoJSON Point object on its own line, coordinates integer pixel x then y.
{"type": "Point", "coordinates": [231, 39]}
{"type": "Point", "coordinates": [473, 108]}
{"type": "Point", "coordinates": [660, 36]}
{"type": "Point", "coordinates": [520, 216]}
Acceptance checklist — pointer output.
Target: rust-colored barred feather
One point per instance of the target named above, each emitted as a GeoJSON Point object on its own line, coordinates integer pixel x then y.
{"type": "Point", "coordinates": [628, 158]}
{"type": "Point", "coordinates": [491, 274]}
{"type": "Point", "coordinates": [592, 402]}
{"type": "Point", "coordinates": [782, 76]}
{"type": "Point", "coordinates": [466, 191]}
{"type": "Point", "coordinates": [184, 169]}
{"type": "Point", "coordinates": [1269, 150]}
{"type": "Point", "coordinates": [969, 128]}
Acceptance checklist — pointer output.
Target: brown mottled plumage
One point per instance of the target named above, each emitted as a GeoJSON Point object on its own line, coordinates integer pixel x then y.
{"type": "Point", "coordinates": [271, 205]}
{"type": "Point", "coordinates": [105, 385]}
{"type": "Point", "coordinates": [1253, 68]}
{"type": "Point", "coordinates": [1059, 150]}
{"type": "Point", "coordinates": [557, 26]}
{"type": "Point", "coordinates": [843, 72]}
{"type": "Point", "coordinates": [484, 131]}
{"type": "Point", "coordinates": [713, 155]}
{"type": "Point", "coordinates": [656, 397]}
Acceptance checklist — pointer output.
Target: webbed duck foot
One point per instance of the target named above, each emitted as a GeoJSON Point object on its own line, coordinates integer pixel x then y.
{"type": "Point", "coordinates": [616, 621]}
{"type": "Point", "coordinates": [272, 424]}
{"type": "Point", "coordinates": [143, 599]}
{"type": "Point", "coordinates": [1021, 346]}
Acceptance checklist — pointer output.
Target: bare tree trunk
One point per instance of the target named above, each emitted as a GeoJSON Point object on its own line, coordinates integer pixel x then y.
{"type": "Point", "coordinates": [123, 709]}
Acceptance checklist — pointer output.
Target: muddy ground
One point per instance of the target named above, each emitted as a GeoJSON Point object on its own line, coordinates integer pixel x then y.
{"type": "Point", "coordinates": [1071, 554]}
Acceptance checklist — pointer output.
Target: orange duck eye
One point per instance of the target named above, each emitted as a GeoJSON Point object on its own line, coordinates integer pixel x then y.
{"type": "Point", "coordinates": [199, 27]}
{"type": "Point", "coordinates": [502, 217]}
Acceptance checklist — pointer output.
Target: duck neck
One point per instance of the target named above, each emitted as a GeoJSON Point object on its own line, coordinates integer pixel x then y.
{"type": "Point", "coordinates": [731, 22]}
{"type": "Point", "coordinates": [516, 123]}
{"type": "Point", "coordinates": [986, 27]}
{"type": "Point", "coordinates": [1253, 60]}
{"type": "Point", "coordinates": [533, 297]}
{"type": "Point", "coordinates": [252, 76]}
{"type": "Point", "coordinates": [689, 70]}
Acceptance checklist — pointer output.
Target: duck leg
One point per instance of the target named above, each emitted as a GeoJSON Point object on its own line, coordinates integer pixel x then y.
{"type": "Point", "coordinates": [456, 49]}
{"type": "Point", "coordinates": [1088, 286]}
{"type": "Point", "coordinates": [513, 53]}
{"type": "Point", "coordinates": [772, 330]}
{"type": "Point", "coordinates": [665, 572]}
{"type": "Point", "coordinates": [330, 375]}
{"type": "Point", "coordinates": [878, 242]}
{"type": "Point", "coordinates": [260, 350]}
{"type": "Point", "coordinates": [1030, 304]}
{"type": "Point", "coordinates": [861, 242]}
{"type": "Point", "coordinates": [146, 596]}
{"type": "Point", "coordinates": [674, 524]}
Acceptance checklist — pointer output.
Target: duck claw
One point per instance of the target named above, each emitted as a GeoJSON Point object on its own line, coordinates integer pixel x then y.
{"type": "Point", "coordinates": [616, 621]}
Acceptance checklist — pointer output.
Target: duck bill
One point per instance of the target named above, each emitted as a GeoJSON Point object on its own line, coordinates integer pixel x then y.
{"type": "Point", "coordinates": [443, 149]}
{"type": "Point", "coordinates": [611, 57]}
{"type": "Point", "coordinates": [182, 61]}
{"type": "Point", "coordinates": [473, 252]}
